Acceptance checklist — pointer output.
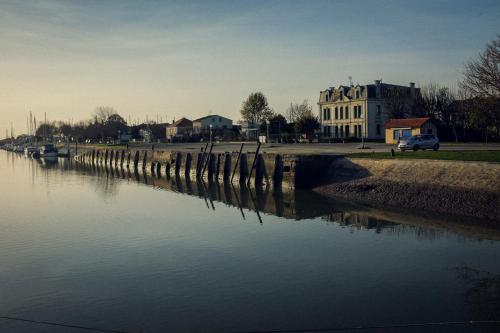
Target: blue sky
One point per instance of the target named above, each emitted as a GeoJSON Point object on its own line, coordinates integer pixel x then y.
{"type": "Point", "coordinates": [181, 58]}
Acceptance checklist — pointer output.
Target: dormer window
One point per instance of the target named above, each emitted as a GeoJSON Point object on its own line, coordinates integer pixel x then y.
{"type": "Point", "coordinates": [341, 94]}
{"type": "Point", "coordinates": [357, 93]}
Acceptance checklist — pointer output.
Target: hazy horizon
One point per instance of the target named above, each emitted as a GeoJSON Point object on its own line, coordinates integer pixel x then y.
{"type": "Point", "coordinates": [174, 59]}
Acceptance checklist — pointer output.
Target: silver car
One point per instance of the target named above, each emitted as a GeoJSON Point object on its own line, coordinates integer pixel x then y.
{"type": "Point", "coordinates": [416, 142]}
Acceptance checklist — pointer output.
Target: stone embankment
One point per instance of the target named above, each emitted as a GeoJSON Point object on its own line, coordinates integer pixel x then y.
{"type": "Point", "coordinates": [244, 167]}
{"type": "Point", "coordinates": [463, 188]}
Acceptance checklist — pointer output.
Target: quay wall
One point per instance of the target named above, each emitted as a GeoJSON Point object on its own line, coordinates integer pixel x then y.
{"type": "Point", "coordinates": [279, 170]}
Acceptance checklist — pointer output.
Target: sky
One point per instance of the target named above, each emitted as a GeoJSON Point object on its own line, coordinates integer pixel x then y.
{"type": "Point", "coordinates": [168, 59]}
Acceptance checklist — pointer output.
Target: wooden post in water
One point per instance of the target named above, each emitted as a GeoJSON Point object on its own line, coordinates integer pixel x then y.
{"type": "Point", "coordinates": [167, 169]}
{"type": "Point", "coordinates": [217, 166]}
{"type": "Point", "coordinates": [144, 160]}
{"type": "Point", "coordinates": [158, 169]}
{"type": "Point", "coordinates": [227, 167]}
{"type": "Point", "coordinates": [260, 170]}
{"type": "Point", "coordinates": [237, 160]}
{"type": "Point", "coordinates": [253, 163]}
{"type": "Point", "coordinates": [122, 158]}
{"type": "Point", "coordinates": [202, 161]}
{"type": "Point", "coordinates": [278, 171]}
{"type": "Point", "coordinates": [199, 162]}
{"type": "Point", "coordinates": [207, 159]}
{"type": "Point", "coordinates": [129, 154]}
{"type": "Point", "coordinates": [243, 168]}
{"type": "Point", "coordinates": [106, 154]}
{"type": "Point", "coordinates": [136, 160]}
{"type": "Point", "coordinates": [178, 162]}
{"type": "Point", "coordinates": [111, 156]}
{"type": "Point", "coordinates": [211, 167]}
{"type": "Point", "coordinates": [187, 168]}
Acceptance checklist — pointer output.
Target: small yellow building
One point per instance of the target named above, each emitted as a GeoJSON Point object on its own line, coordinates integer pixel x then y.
{"type": "Point", "coordinates": [399, 128]}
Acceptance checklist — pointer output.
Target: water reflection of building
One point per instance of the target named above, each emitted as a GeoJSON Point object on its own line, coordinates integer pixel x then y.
{"type": "Point", "coordinates": [358, 221]}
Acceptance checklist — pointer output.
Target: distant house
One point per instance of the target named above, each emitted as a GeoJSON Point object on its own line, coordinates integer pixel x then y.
{"type": "Point", "coordinates": [203, 124]}
{"type": "Point", "coordinates": [179, 129]}
{"type": "Point", "coordinates": [249, 130]}
{"type": "Point", "coordinates": [399, 128]}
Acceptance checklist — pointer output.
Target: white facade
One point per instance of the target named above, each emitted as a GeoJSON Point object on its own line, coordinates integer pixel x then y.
{"type": "Point", "coordinates": [355, 111]}
{"type": "Point", "coordinates": [217, 122]}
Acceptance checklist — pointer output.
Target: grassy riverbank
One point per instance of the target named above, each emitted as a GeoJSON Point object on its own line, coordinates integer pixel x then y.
{"type": "Point", "coordinates": [478, 155]}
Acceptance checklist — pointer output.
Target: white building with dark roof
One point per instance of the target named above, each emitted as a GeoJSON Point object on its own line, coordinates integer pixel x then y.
{"type": "Point", "coordinates": [202, 125]}
{"type": "Point", "coordinates": [357, 111]}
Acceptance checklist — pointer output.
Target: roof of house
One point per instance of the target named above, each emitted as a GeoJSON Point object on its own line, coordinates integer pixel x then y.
{"type": "Point", "coordinates": [408, 122]}
{"type": "Point", "coordinates": [183, 122]}
{"type": "Point", "coordinates": [209, 116]}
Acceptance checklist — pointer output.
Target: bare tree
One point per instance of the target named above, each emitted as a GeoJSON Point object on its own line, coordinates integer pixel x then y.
{"type": "Point", "coordinates": [482, 75]}
{"type": "Point", "coordinates": [102, 113]}
{"type": "Point", "coordinates": [296, 111]}
{"type": "Point", "coordinates": [397, 103]}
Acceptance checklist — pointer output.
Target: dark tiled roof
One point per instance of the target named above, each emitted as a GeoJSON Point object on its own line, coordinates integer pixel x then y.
{"type": "Point", "coordinates": [183, 122]}
{"type": "Point", "coordinates": [212, 115]}
{"type": "Point", "coordinates": [409, 122]}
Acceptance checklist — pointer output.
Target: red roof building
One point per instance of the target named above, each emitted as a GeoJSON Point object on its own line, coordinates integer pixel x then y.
{"type": "Point", "coordinates": [398, 128]}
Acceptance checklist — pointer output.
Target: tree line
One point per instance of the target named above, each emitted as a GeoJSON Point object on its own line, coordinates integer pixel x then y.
{"type": "Point", "coordinates": [299, 119]}
{"type": "Point", "coordinates": [105, 126]}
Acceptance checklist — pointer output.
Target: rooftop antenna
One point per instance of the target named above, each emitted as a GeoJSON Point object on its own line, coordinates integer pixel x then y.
{"type": "Point", "coordinates": [350, 81]}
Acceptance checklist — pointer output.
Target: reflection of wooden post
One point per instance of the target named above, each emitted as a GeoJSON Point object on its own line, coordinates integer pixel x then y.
{"type": "Point", "coordinates": [106, 153]}
{"type": "Point", "coordinates": [158, 169]}
{"type": "Point", "coordinates": [128, 159]}
{"type": "Point", "coordinates": [237, 160]}
{"type": "Point", "coordinates": [111, 157]}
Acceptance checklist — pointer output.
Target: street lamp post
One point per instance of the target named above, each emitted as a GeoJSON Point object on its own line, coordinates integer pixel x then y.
{"type": "Point", "coordinates": [267, 123]}
{"type": "Point", "coordinates": [210, 133]}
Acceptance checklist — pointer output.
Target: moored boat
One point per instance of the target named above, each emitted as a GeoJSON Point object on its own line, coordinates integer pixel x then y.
{"type": "Point", "coordinates": [48, 150]}
{"type": "Point", "coordinates": [30, 150]}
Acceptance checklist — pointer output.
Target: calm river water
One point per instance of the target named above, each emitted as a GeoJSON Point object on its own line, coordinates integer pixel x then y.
{"type": "Point", "coordinates": [107, 249]}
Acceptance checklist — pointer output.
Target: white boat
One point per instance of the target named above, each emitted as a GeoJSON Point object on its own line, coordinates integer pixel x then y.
{"type": "Point", "coordinates": [30, 150]}
{"type": "Point", "coordinates": [48, 150]}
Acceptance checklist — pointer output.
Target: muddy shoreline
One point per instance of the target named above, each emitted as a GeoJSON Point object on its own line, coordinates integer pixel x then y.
{"type": "Point", "coordinates": [458, 188]}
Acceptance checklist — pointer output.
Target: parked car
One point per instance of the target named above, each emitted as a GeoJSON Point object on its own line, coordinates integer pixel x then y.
{"type": "Point", "coordinates": [416, 142]}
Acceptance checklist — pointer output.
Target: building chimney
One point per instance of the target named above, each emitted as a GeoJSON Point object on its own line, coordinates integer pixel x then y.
{"type": "Point", "coordinates": [377, 88]}
{"type": "Point", "coordinates": [412, 89]}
